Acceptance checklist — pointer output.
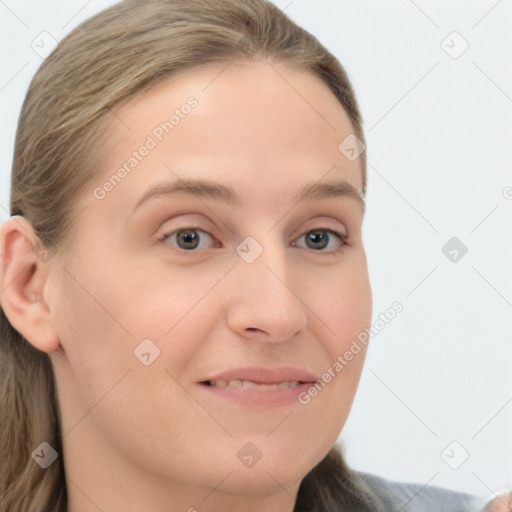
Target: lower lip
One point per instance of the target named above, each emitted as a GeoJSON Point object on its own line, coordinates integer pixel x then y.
{"type": "Point", "coordinates": [278, 397]}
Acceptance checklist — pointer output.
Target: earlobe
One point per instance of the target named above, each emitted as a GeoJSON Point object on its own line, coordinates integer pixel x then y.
{"type": "Point", "coordinates": [23, 284]}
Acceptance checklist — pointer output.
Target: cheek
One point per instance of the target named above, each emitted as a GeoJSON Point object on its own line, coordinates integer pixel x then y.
{"type": "Point", "coordinates": [344, 310]}
{"type": "Point", "coordinates": [102, 317]}
{"type": "Point", "coordinates": [173, 307]}
{"type": "Point", "coordinates": [108, 307]}
{"type": "Point", "coordinates": [342, 303]}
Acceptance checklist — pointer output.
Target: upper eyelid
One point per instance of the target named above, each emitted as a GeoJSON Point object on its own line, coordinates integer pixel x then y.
{"type": "Point", "coordinates": [344, 237]}
{"type": "Point", "coordinates": [306, 222]}
{"type": "Point", "coordinates": [338, 215]}
{"type": "Point", "coordinates": [317, 224]}
{"type": "Point", "coordinates": [196, 227]}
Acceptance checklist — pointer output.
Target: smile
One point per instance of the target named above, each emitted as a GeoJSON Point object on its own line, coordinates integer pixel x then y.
{"type": "Point", "coordinates": [247, 384]}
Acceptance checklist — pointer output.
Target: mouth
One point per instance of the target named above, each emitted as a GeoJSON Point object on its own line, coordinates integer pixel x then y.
{"type": "Point", "coordinates": [258, 387]}
{"type": "Point", "coordinates": [247, 384]}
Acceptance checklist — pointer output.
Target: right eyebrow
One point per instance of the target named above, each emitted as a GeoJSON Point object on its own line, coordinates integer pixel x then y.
{"type": "Point", "coordinates": [199, 188]}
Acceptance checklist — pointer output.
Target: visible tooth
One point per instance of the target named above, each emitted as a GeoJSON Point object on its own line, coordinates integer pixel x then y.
{"type": "Point", "coordinates": [249, 384]}
{"type": "Point", "coordinates": [236, 383]}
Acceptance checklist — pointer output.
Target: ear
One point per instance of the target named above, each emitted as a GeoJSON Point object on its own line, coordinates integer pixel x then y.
{"type": "Point", "coordinates": [24, 284]}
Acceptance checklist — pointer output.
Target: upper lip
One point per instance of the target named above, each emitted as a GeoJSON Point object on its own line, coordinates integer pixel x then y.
{"type": "Point", "coordinates": [262, 375]}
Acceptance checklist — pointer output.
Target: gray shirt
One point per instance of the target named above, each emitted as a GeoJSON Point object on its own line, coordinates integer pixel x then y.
{"type": "Point", "coordinates": [411, 497]}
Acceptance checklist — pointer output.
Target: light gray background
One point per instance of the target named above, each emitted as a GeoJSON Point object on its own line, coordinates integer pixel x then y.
{"type": "Point", "coordinates": [439, 139]}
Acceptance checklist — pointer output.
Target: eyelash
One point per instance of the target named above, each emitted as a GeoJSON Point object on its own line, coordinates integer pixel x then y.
{"type": "Point", "coordinates": [341, 237]}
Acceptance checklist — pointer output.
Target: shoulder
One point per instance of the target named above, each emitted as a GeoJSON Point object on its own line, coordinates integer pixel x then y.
{"type": "Point", "coordinates": [412, 497]}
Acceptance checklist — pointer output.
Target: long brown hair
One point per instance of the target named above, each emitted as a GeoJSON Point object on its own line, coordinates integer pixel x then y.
{"type": "Point", "coordinates": [118, 53]}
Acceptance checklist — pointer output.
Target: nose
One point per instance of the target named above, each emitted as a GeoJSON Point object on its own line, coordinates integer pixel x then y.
{"type": "Point", "coordinates": [263, 303]}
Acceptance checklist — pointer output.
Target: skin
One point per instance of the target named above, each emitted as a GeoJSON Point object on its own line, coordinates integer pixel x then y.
{"type": "Point", "coordinates": [503, 503]}
{"type": "Point", "coordinates": [142, 437]}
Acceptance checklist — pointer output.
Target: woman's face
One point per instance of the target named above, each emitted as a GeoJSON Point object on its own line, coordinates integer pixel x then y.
{"type": "Point", "coordinates": [256, 289]}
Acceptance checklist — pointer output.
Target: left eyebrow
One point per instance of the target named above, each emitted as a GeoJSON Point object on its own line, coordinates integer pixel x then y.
{"type": "Point", "coordinates": [218, 191]}
{"type": "Point", "coordinates": [331, 190]}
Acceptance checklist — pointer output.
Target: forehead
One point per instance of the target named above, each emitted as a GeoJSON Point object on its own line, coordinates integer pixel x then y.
{"type": "Point", "coordinates": [253, 125]}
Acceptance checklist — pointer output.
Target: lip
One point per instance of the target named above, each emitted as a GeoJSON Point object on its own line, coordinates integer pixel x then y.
{"type": "Point", "coordinates": [263, 375]}
{"type": "Point", "coordinates": [253, 397]}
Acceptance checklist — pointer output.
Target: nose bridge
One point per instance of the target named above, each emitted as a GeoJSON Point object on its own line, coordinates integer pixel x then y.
{"type": "Point", "coordinates": [264, 264]}
{"type": "Point", "coordinates": [264, 297]}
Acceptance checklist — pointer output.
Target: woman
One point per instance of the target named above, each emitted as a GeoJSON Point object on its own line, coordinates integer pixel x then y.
{"type": "Point", "coordinates": [183, 270]}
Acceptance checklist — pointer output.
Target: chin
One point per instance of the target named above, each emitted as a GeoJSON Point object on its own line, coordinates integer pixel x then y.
{"type": "Point", "coordinates": [271, 470]}
{"type": "Point", "coordinates": [266, 480]}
